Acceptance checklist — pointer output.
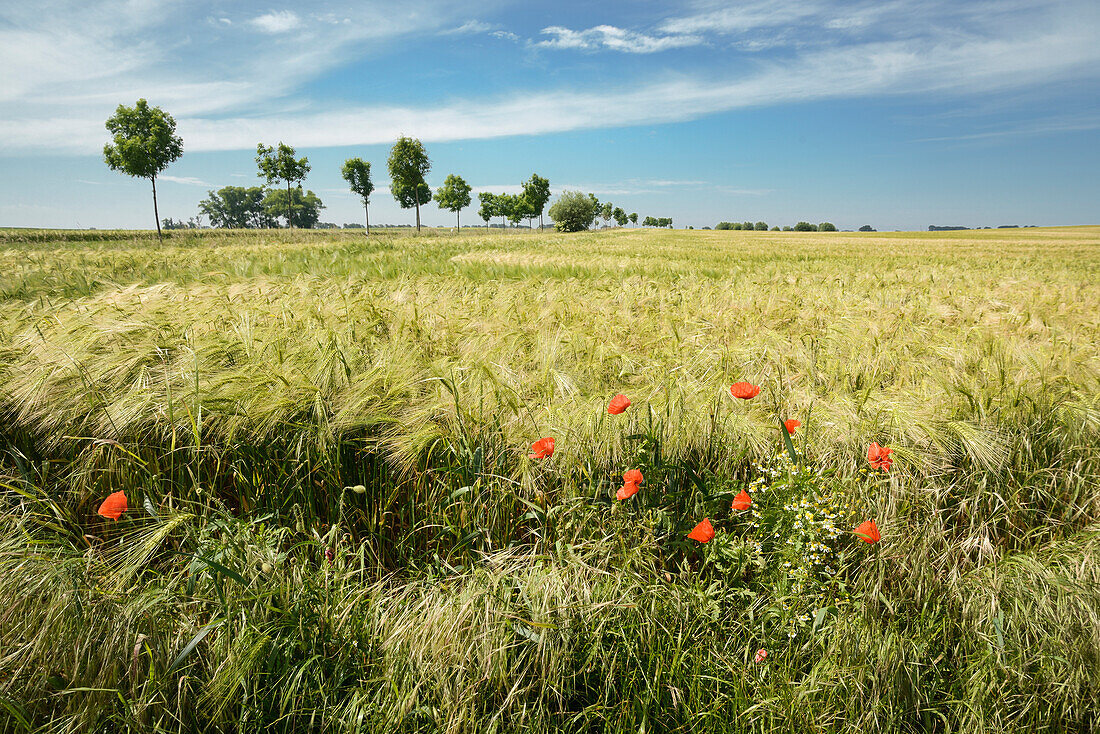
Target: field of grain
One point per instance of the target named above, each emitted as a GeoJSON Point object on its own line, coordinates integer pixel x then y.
{"type": "Point", "coordinates": [334, 523]}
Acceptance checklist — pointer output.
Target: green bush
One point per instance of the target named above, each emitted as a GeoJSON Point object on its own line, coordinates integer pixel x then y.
{"type": "Point", "coordinates": [572, 211]}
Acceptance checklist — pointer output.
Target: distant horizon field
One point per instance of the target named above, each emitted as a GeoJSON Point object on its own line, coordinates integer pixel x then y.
{"type": "Point", "coordinates": [335, 523]}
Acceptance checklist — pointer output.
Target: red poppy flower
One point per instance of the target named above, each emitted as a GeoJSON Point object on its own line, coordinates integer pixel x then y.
{"type": "Point", "coordinates": [632, 475]}
{"type": "Point", "coordinates": [791, 424]}
{"type": "Point", "coordinates": [543, 448]}
{"type": "Point", "coordinates": [628, 490]}
{"type": "Point", "coordinates": [867, 531]}
{"type": "Point", "coordinates": [113, 506]}
{"type": "Point", "coordinates": [879, 456]}
{"type": "Point", "coordinates": [760, 655]}
{"type": "Point", "coordinates": [618, 404]}
{"type": "Point", "coordinates": [744, 390]}
{"type": "Point", "coordinates": [703, 532]}
{"type": "Point", "coordinates": [742, 500]}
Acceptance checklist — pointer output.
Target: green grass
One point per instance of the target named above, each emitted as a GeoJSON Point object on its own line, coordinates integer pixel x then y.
{"type": "Point", "coordinates": [236, 384]}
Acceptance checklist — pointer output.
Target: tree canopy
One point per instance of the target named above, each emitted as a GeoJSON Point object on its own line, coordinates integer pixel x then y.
{"type": "Point", "coordinates": [279, 164]}
{"type": "Point", "coordinates": [536, 192]}
{"type": "Point", "coordinates": [236, 207]}
{"type": "Point", "coordinates": [306, 207]}
{"type": "Point", "coordinates": [143, 143]}
{"type": "Point", "coordinates": [573, 211]}
{"type": "Point", "coordinates": [454, 195]}
{"type": "Point", "coordinates": [356, 172]}
{"type": "Point", "coordinates": [488, 208]}
{"type": "Point", "coordinates": [408, 165]}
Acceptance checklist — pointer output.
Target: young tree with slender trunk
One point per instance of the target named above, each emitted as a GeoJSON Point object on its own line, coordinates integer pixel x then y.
{"type": "Point", "coordinates": [536, 190]}
{"type": "Point", "coordinates": [488, 208]}
{"type": "Point", "coordinates": [454, 195]}
{"type": "Point", "coordinates": [634, 219]}
{"type": "Point", "coordinates": [356, 172]}
{"type": "Point", "coordinates": [144, 142]}
{"type": "Point", "coordinates": [279, 164]}
{"type": "Point", "coordinates": [408, 165]}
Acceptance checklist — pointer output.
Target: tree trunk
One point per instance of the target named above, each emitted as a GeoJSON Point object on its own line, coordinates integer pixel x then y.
{"type": "Point", "coordinates": [289, 207]}
{"type": "Point", "coordinates": [540, 221]}
{"type": "Point", "coordinates": [417, 208]}
{"type": "Point", "coordinates": [367, 212]}
{"type": "Point", "coordinates": [156, 213]}
{"type": "Point", "coordinates": [458, 218]}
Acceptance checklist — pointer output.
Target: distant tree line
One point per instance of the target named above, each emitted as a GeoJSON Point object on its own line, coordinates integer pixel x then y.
{"type": "Point", "coordinates": [763, 227]}
{"type": "Point", "coordinates": [144, 143]}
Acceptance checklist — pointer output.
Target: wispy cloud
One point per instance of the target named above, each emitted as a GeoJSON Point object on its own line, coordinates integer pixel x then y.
{"type": "Point", "coordinates": [277, 21]}
{"type": "Point", "coordinates": [469, 27]}
{"type": "Point", "coordinates": [63, 75]}
{"type": "Point", "coordinates": [186, 180]}
{"type": "Point", "coordinates": [614, 39]}
{"type": "Point", "coordinates": [1044, 126]}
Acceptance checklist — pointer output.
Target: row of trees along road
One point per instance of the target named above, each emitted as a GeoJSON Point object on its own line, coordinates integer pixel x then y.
{"type": "Point", "coordinates": [516, 207]}
{"type": "Point", "coordinates": [144, 143]}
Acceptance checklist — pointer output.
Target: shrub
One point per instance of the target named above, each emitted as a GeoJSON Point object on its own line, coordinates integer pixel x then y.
{"type": "Point", "coordinates": [572, 212]}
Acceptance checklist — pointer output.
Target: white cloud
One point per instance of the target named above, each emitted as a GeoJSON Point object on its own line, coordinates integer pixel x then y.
{"type": "Point", "coordinates": [186, 180]}
{"type": "Point", "coordinates": [614, 39]}
{"type": "Point", "coordinates": [277, 21]}
{"type": "Point", "coordinates": [727, 18]}
{"type": "Point", "coordinates": [470, 26]}
{"type": "Point", "coordinates": [61, 76]}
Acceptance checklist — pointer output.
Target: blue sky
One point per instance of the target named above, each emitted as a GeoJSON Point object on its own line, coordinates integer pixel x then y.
{"type": "Point", "coordinates": [896, 113]}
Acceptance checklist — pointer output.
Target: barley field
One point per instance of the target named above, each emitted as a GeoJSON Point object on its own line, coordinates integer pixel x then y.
{"type": "Point", "coordinates": [335, 523]}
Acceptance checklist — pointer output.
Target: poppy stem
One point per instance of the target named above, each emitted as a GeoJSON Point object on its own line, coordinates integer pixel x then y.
{"type": "Point", "coordinates": [787, 440]}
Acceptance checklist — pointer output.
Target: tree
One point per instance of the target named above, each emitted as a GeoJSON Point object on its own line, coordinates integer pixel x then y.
{"type": "Point", "coordinates": [279, 164]}
{"type": "Point", "coordinates": [724, 225]}
{"type": "Point", "coordinates": [504, 205]}
{"type": "Point", "coordinates": [649, 222]}
{"type": "Point", "coordinates": [866, 228]}
{"type": "Point", "coordinates": [634, 218]}
{"type": "Point", "coordinates": [805, 227]}
{"type": "Point", "coordinates": [488, 208]}
{"type": "Point", "coordinates": [748, 226]}
{"type": "Point", "coordinates": [409, 164]}
{"type": "Point", "coordinates": [356, 172]}
{"type": "Point", "coordinates": [761, 227]}
{"type": "Point", "coordinates": [775, 228]}
{"type": "Point", "coordinates": [826, 227]}
{"type": "Point", "coordinates": [536, 190]}
{"type": "Point", "coordinates": [605, 212]}
{"type": "Point", "coordinates": [514, 207]}
{"type": "Point", "coordinates": [573, 211]}
{"type": "Point", "coordinates": [144, 142]}
{"type": "Point", "coordinates": [620, 216]}
{"type": "Point", "coordinates": [411, 196]}
{"type": "Point", "coordinates": [306, 207]}
{"type": "Point", "coordinates": [235, 207]}
{"type": "Point", "coordinates": [454, 195]}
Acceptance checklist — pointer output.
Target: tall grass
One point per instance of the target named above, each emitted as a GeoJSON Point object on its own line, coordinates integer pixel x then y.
{"type": "Point", "coordinates": [265, 397]}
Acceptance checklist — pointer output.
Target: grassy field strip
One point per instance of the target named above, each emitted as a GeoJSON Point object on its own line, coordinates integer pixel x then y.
{"type": "Point", "coordinates": [240, 385]}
